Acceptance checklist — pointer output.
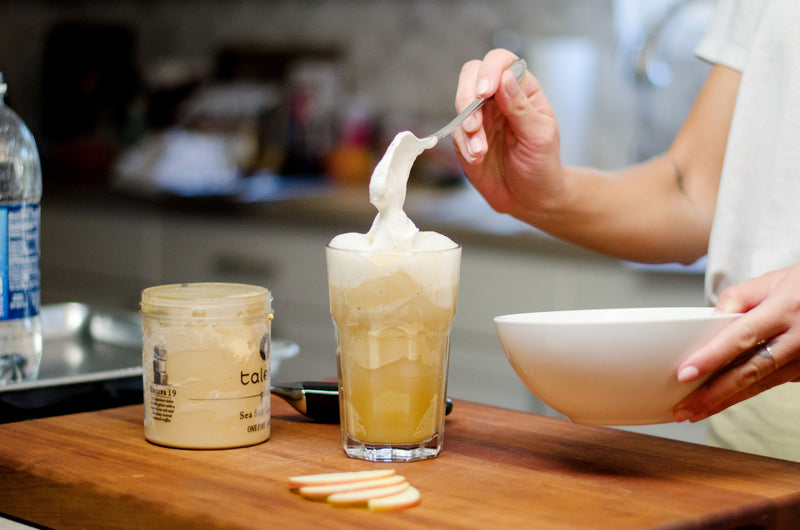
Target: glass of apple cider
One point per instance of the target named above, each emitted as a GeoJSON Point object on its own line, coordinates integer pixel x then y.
{"type": "Point", "coordinates": [392, 311]}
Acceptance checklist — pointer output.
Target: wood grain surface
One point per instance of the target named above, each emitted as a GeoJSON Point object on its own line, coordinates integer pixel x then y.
{"type": "Point", "coordinates": [499, 469]}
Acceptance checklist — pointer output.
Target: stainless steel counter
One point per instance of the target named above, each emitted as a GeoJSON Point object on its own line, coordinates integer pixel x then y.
{"type": "Point", "coordinates": [91, 359]}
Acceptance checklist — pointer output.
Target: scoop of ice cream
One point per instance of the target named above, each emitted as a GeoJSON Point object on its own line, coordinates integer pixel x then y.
{"type": "Point", "coordinates": [420, 241]}
{"type": "Point", "coordinates": [392, 230]}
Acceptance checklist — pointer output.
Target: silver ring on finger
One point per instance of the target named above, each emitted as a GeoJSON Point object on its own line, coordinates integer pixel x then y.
{"type": "Point", "coordinates": [765, 352]}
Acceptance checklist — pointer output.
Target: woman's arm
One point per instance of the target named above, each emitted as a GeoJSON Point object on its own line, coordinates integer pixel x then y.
{"type": "Point", "coordinates": [657, 211]}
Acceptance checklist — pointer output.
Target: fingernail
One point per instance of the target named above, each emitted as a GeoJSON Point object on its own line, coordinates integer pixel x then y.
{"type": "Point", "coordinates": [475, 145]}
{"type": "Point", "coordinates": [720, 309]}
{"type": "Point", "coordinates": [682, 415]}
{"type": "Point", "coordinates": [511, 88]}
{"type": "Point", "coordinates": [688, 373]}
{"type": "Point", "coordinates": [470, 123]}
{"type": "Point", "coordinates": [482, 88]}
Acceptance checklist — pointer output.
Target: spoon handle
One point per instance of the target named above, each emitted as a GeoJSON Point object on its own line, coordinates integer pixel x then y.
{"type": "Point", "coordinates": [319, 400]}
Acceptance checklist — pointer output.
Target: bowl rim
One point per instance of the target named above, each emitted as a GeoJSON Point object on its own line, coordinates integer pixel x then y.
{"type": "Point", "coordinates": [626, 315]}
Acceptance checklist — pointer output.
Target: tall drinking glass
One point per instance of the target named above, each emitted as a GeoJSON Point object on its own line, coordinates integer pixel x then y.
{"type": "Point", "coordinates": [393, 313]}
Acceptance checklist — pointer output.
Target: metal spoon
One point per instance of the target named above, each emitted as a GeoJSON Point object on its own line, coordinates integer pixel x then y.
{"type": "Point", "coordinates": [319, 400]}
{"type": "Point", "coordinates": [517, 68]}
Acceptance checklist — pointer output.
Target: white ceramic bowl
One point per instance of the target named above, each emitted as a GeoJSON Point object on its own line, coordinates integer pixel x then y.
{"type": "Point", "coordinates": [608, 366]}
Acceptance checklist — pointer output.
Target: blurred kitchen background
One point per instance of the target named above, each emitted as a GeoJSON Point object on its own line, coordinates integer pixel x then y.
{"type": "Point", "coordinates": [92, 78]}
{"type": "Point", "coordinates": [229, 140]}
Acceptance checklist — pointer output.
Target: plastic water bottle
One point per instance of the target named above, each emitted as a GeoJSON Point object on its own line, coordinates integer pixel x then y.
{"type": "Point", "coordinates": [20, 194]}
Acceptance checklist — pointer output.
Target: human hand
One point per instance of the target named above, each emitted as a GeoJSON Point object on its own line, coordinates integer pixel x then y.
{"type": "Point", "coordinates": [509, 149]}
{"type": "Point", "coordinates": [756, 352]}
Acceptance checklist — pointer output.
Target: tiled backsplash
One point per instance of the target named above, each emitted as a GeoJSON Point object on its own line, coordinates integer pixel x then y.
{"type": "Point", "coordinates": [402, 56]}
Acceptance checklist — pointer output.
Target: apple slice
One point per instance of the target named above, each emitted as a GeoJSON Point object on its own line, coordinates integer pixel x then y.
{"type": "Point", "coordinates": [320, 492]}
{"type": "Point", "coordinates": [405, 499]}
{"type": "Point", "coordinates": [338, 478]}
{"type": "Point", "coordinates": [362, 496]}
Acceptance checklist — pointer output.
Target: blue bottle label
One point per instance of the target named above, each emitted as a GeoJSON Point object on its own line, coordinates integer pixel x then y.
{"type": "Point", "coordinates": [19, 261]}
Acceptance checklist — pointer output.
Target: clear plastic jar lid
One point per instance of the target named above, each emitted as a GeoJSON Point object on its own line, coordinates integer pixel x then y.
{"type": "Point", "coordinates": [207, 301]}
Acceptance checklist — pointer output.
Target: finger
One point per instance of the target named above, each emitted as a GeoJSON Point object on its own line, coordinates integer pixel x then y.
{"type": "Point", "coordinates": [491, 71]}
{"type": "Point", "coordinates": [467, 80]}
{"type": "Point", "coordinates": [529, 116]}
{"type": "Point", "coordinates": [765, 367]}
{"type": "Point", "coordinates": [749, 374]}
{"type": "Point", "coordinates": [693, 410]}
{"type": "Point", "coordinates": [744, 296]}
{"type": "Point", "coordinates": [473, 122]}
{"type": "Point", "coordinates": [754, 327]}
{"type": "Point", "coordinates": [471, 148]}
{"type": "Point", "coordinates": [772, 380]}
{"type": "Point", "coordinates": [478, 79]}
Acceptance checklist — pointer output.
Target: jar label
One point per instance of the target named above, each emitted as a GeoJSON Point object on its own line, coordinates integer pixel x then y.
{"type": "Point", "coordinates": [211, 389]}
{"type": "Point", "coordinates": [19, 261]}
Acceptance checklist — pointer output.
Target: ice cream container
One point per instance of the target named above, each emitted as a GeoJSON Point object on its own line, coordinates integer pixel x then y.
{"type": "Point", "coordinates": [206, 369]}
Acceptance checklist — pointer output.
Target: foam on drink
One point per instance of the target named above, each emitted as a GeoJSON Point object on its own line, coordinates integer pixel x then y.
{"type": "Point", "coordinates": [392, 229]}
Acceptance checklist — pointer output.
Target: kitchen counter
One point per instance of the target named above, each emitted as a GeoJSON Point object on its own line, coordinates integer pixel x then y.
{"type": "Point", "coordinates": [499, 469]}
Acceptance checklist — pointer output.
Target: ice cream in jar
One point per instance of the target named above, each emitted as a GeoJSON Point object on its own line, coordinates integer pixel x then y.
{"type": "Point", "coordinates": [206, 365]}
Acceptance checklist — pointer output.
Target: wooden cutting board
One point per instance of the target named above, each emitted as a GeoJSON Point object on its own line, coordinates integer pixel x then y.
{"type": "Point", "coordinates": [499, 469]}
